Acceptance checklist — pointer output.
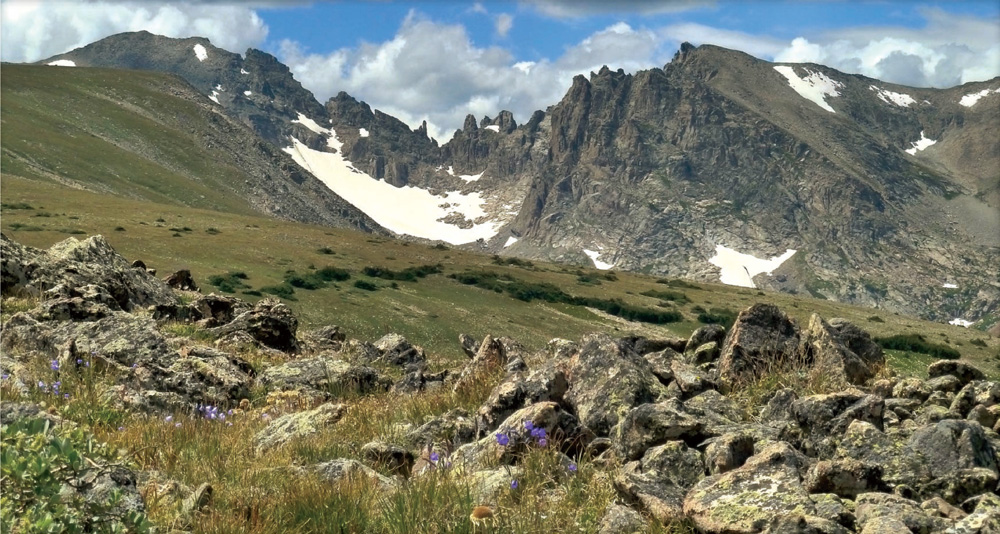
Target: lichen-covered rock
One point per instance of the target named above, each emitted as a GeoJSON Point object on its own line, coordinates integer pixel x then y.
{"type": "Point", "coordinates": [964, 372]}
{"type": "Point", "coordinates": [761, 339]}
{"type": "Point", "coordinates": [392, 457]}
{"type": "Point", "coordinates": [659, 481]}
{"type": "Point", "coordinates": [660, 363]}
{"type": "Point", "coordinates": [619, 519]}
{"type": "Point", "coordinates": [944, 383]}
{"type": "Point", "coordinates": [652, 424]}
{"type": "Point", "coordinates": [938, 507]}
{"type": "Point", "coordinates": [690, 379]}
{"type": "Point", "coordinates": [727, 452]}
{"type": "Point", "coordinates": [710, 333]}
{"type": "Point", "coordinates": [342, 469]}
{"type": "Point", "coordinates": [449, 430]}
{"type": "Point", "coordinates": [325, 338]}
{"type": "Point", "coordinates": [519, 389]}
{"type": "Point", "coordinates": [976, 392]}
{"type": "Point", "coordinates": [421, 380]}
{"type": "Point", "coordinates": [960, 485]}
{"type": "Point", "coordinates": [296, 425]}
{"type": "Point", "coordinates": [832, 507]}
{"type": "Point", "coordinates": [911, 388]}
{"type": "Point", "coordinates": [950, 445]}
{"type": "Point", "coordinates": [606, 380]}
{"type": "Point", "coordinates": [805, 524]}
{"type": "Point", "coordinates": [900, 465]}
{"type": "Point", "coordinates": [469, 344]}
{"type": "Point", "coordinates": [270, 322]}
{"type": "Point", "coordinates": [830, 351]}
{"type": "Point", "coordinates": [873, 506]}
{"type": "Point", "coordinates": [709, 352]}
{"type": "Point", "coordinates": [490, 357]}
{"type": "Point", "coordinates": [85, 303]}
{"type": "Point", "coordinates": [844, 477]}
{"type": "Point", "coordinates": [486, 485]}
{"type": "Point", "coordinates": [396, 350]}
{"type": "Point", "coordinates": [75, 263]}
{"type": "Point", "coordinates": [746, 500]}
{"type": "Point", "coordinates": [824, 418]}
{"type": "Point", "coordinates": [181, 280]}
{"type": "Point", "coordinates": [779, 406]}
{"type": "Point", "coordinates": [324, 376]}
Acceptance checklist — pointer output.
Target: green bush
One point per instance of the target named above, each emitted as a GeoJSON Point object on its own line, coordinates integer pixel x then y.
{"type": "Point", "coordinates": [677, 282]}
{"type": "Point", "coordinates": [978, 342]}
{"type": "Point", "coordinates": [365, 285]}
{"type": "Point", "coordinates": [37, 462]}
{"type": "Point", "coordinates": [229, 282]}
{"type": "Point", "coordinates": [917, 343]}
{"type": "Point", "coordinates": [333, 274]}
{"type": "Point", "coordinates": [324, 250]}
{"type": "Point", "coordinates": [669, 296]}
{"type": "Point", "coordinates": [304, 281]}
{"type": "Point", "coordinates": [721, 316]}
{"type": "Point", "coordinates": [410, 274]}
{"type": "Point", "coordinates": [875, 319]}
{"type": "Point", "coordinates": [516, 262]}
{"type": "Point", "coordinates": [285, 291]}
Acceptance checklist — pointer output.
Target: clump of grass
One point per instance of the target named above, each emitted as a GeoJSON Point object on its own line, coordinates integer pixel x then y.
{"type": "Point", "coordinates": [875, 319]}
{"type": "Point", "coordinates": [677, 282]}
{"type": "Point", "coordinates": [119, 228]}
{"type": "Point", "coordinates": [978, 342]}
{"type": "Point", "coordinates": [324, 250]}
{"type": "Point", "coordinates": [187, 330]}
{"type": "Point", "coordinates": [212, 231]}
{"type": "Point", "coordinates": [25, 227]}
{"type": "Point", "coordinates": [516, 262]}
{"type": "Point", "coordinates": [917, 343]}
{"type": "Point", "coordinates": [365, 285]}
{"type": "Point", "coordinates": [723, 316]}
{"type": "Point", "coordinates": [16, 206]}
{"type": "Point", "coordinates": [230, 282]}
{"type": "Point", "coordinates": [588, 280]}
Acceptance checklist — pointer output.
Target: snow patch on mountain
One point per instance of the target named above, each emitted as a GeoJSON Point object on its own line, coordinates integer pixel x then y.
{"type": "Point", "coordinates": [949, 286]}
{"type": "Point", "coordinates": [971, 99]}
{"type": "Point", "coordinates": [889, 97]}
{"type": "Point", "coordinates": [960, 322]}
{"type": "Point", "coordinates": [920, 144]}
{"type": "Point", "coordinates": [200, 52]}
{"type": "Point", "coordinates": [62, 63]}
{"type": "Point", "coordinates": [423, 214]}
{"type": "Point", "coordinates": [814, 87]}
{"type": "Point", "coordinates": [243, 71]}
{"type": "Point", "coordinates": [214, 97]}
{"type": "Point", "coordinates": [593, 254]}
{"type": "Point", "coordinates": [738, 269]}
{"type": "Point", "coordinates": [510, 241]}
{"type": "Point", "coordinates": [363, 132]}
{"type": "Point", "coordinates": [469, 177]}
{"type": "Point", "coordinates": [494, 127]}
{"type": "Point", "coordinates": [247, 93]}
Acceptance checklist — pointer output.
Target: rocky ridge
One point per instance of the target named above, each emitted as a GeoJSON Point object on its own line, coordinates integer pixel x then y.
{"type": "Point", "coordinates": [875, 454]}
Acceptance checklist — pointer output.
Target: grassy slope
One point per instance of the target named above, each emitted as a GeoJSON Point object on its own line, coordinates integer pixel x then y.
{"type": "Point", "coordinates": [134, 134]}
{"type": "Point", "coordinates": [430, 312]}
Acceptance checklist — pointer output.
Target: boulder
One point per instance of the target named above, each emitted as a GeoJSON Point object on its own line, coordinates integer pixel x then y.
{"type": "Point", "coordinates": [620, 519]}
{"type": "Point", "coordinates": [396, 350]}
{"type": "Point", "coordinates": [85, 303]}
{"type": "Point", "coordinates": [804, 524]}
{"type": "Point", "coordinates": [964, 372]}
{"type": "Point", "coordinates": [845, 477]}
{"type": "Point", "coordinates": [327, 338]}
{"type": "Point", "coordinates": [710, 333]}
{"type": "Point", "coordinates": [872, 506]}
{"type": "Point", "coordinates": [519, 389]}
{"type": "Point", "coordinates": [270, 322]}
{"type": "Point", "coordinates": [951, 444]}
{"type": "Point", "coordinates": [659, 481]}
{"type": "Point", "coordinates": [181, 280]}
{"type": "Point", "coordinates": [976, 392]}
{"type": "Point", "coordinates": [324, 376]}
{"type": "Point", "coordinates": [747, 499]}
{"type": "Point", "coordinates": [73, 263]}
{"type": "Point", "coordinates": [448, 431]}
{"type": "Point", "coordinates": [651, 424]}
{"type": "Point", "coordinates": [421, 380]}
{"type": "Point", "coordinates": [829, 350]}
{"type": "Point", "coordinates": [728, 452]}
{"type": "Point", "coordinates": [297, 425]}
{"type": "Point", "coordinates": [762, 339]}
{"type": "Point", "coordinates": [690, 379]}
{"type": "Point", "coordinates": [342, 469]}
{"type": "Point", "coordinates": [394, 458]}
{"type": "Point", "coordinates": [900, 465]}
{"type": "Point", "coordinates": [824, 418]}
{"type": "Point", "coordinates": [469, 345]}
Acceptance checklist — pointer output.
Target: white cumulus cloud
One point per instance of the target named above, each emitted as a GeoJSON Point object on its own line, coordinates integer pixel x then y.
{"type": "Point", "coordinates": [504, 22]}
{"type": "Point", "coordinates": [31, 30]}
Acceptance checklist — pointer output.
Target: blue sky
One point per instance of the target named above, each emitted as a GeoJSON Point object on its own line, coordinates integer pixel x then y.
{"type": "Point", "coordinates": [439, 60]}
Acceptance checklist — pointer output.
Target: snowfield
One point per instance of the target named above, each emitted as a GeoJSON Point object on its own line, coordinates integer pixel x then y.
{"type": "Point", "coordinates": [469, 177]}
{"type": "Point", "coordinates": [920, 144]}
{"type": "Point", "coordinates": [889, 97]}
{"type": "Point", "coordinates": [960, 322]}
{"type": "Point", "coordinates": [735, 265]}
{"type": "Point", "coordinates": [363, 132]}
{"type": "Point", "coordinates": [510, 241]}
{"type": "Point", "coordinates": [404, 210]}
{"type": "Point", "coordinates": [971, 99]}
{"type": "Point", "coordinates": [814, 87]}
{"type": "Point", "coordinates": [949, 286]}
{"type": "Point", "coordinates": [593, 254]}
{"type": "Point", "coordinates": [62, 63]}
{"type": "Point", "coordinates": [494, 127]}
{"type": "Point", "coordinates": [200, 52]}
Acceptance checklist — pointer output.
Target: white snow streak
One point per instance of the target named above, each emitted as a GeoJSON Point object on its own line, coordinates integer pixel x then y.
{"type": "Point", "coordinates": [889, 97]}
{"type": "Point", "coordinates": [200, 52]}
{"type": "Point", "coordinates": [469, 177]}
{"type": "Point", "coordinates": [363, 132]}
{"type": "Point", "coordinates": [960, 322]}
{"type": "Point", "coordinates": [214, 97]}
{"type": "Point", "coordinates": [813, 87]}
{"type": "Point", "coordinates": [494, 127]}
{"type": "Point", "coordinates": [311, 124]}
{"type": "Point", "coordinates": [404, 210]}
{"type": "Point", "coordinates": [920, 144]}
{"type": "Point", "coordinates": [243, 71]}
{"type": "Point", "coordinates": [738, 269]}
{"type": "Point", "coordinates": [451, 170]}
{"type": "Point", "coordinates": [971, 99]}
{"type": "Point", "coordinates": [62, 63]}
{"type": "Point", "coordinates": [510, 241]}
{"type": "Point", "coordinates": [247, 93]}
{"type": "Point", "coordinates": [593, 254]}
{"type": "Point", "coordinates": [949, 286]}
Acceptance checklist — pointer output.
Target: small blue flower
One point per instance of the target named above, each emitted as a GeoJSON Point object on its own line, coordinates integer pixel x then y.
{"type": "Point", "coordinates": [4, 376]}
{"type": "Point", "coordinates": [542, 442]}
{"type": "Point", "coordinates": [134, 365]}
{"type": "Point", "coordinates": [434, 457]}
{"type": "Point", "coordinates": [529, 426]}
{"type": "Point", "coordinates": [572, 468]}
{"type": "Point", "coordinates": [503, 439]}
{"type": "Point", "coordinates": [66, 396]}
{"type": "Point", "coordinates": [86, 364]}
{"type": "Point", "coordinates": [538, 433]}
{"type": "Point", "coordinates": [121, 429]}
{"type": "Point", "coordinates": [79, 361]}
{"type": "Point", "coordinates": [41, 384]}
{"type": "Point", "coordinates": [513, 484]}
{"type": "Point", "coordinates": [177, 425]}
{"type": "Point", "coordinates": [55, 365]}
{"type": "Point", "coordinates": [168, 418]}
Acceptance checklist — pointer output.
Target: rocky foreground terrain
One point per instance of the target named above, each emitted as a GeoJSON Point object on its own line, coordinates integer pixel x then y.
{"type": "Point", "coordinates": [670, 422]}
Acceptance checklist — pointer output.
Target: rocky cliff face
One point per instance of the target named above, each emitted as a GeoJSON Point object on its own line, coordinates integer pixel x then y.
{"type": "Point", "coordinates": [653, 171]}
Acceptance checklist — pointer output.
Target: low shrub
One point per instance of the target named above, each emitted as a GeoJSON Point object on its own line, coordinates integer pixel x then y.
{"type": "Point", "coordinates": [229, 282]}
{"type": "Point", "coordinates": [917, 343]}
{"type": "Point", "coordinates": [365, 285]}
{"type": "Point", "coordinates": [284, 290]}
{"type": "Point", "coordinates": [669, 296]}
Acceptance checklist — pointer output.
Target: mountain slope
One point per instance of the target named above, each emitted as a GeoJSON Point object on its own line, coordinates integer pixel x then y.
{"type": "Point", "coordinates": [889, 195]}
{"type": "Point", "coordinates": [152, 136]}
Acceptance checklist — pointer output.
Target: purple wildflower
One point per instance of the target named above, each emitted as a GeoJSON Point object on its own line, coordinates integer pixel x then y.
{"type": "Point", "coordinates": [177, 425]}
{"type": "Point", "coordinates": [529, 426]}
{"type": "Point", "coordinates": [168, 418]}
{"type": "Point", "coordinates": [538, 433]}
{"type": "Point", "coordinates": [54, 365]}
{"type": "Point", "coordinates": [572, 468]}
{"type": "Point", "coordinates": [542, 442]}
{"type": "Point", "coordinates": [513, 484]}
{"type": "Point", "coordinates": [434, 457]}
{"type": "Point", "coordinates": [503, 439]}
{"type": "Point", "coordinates": [79, 361]}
